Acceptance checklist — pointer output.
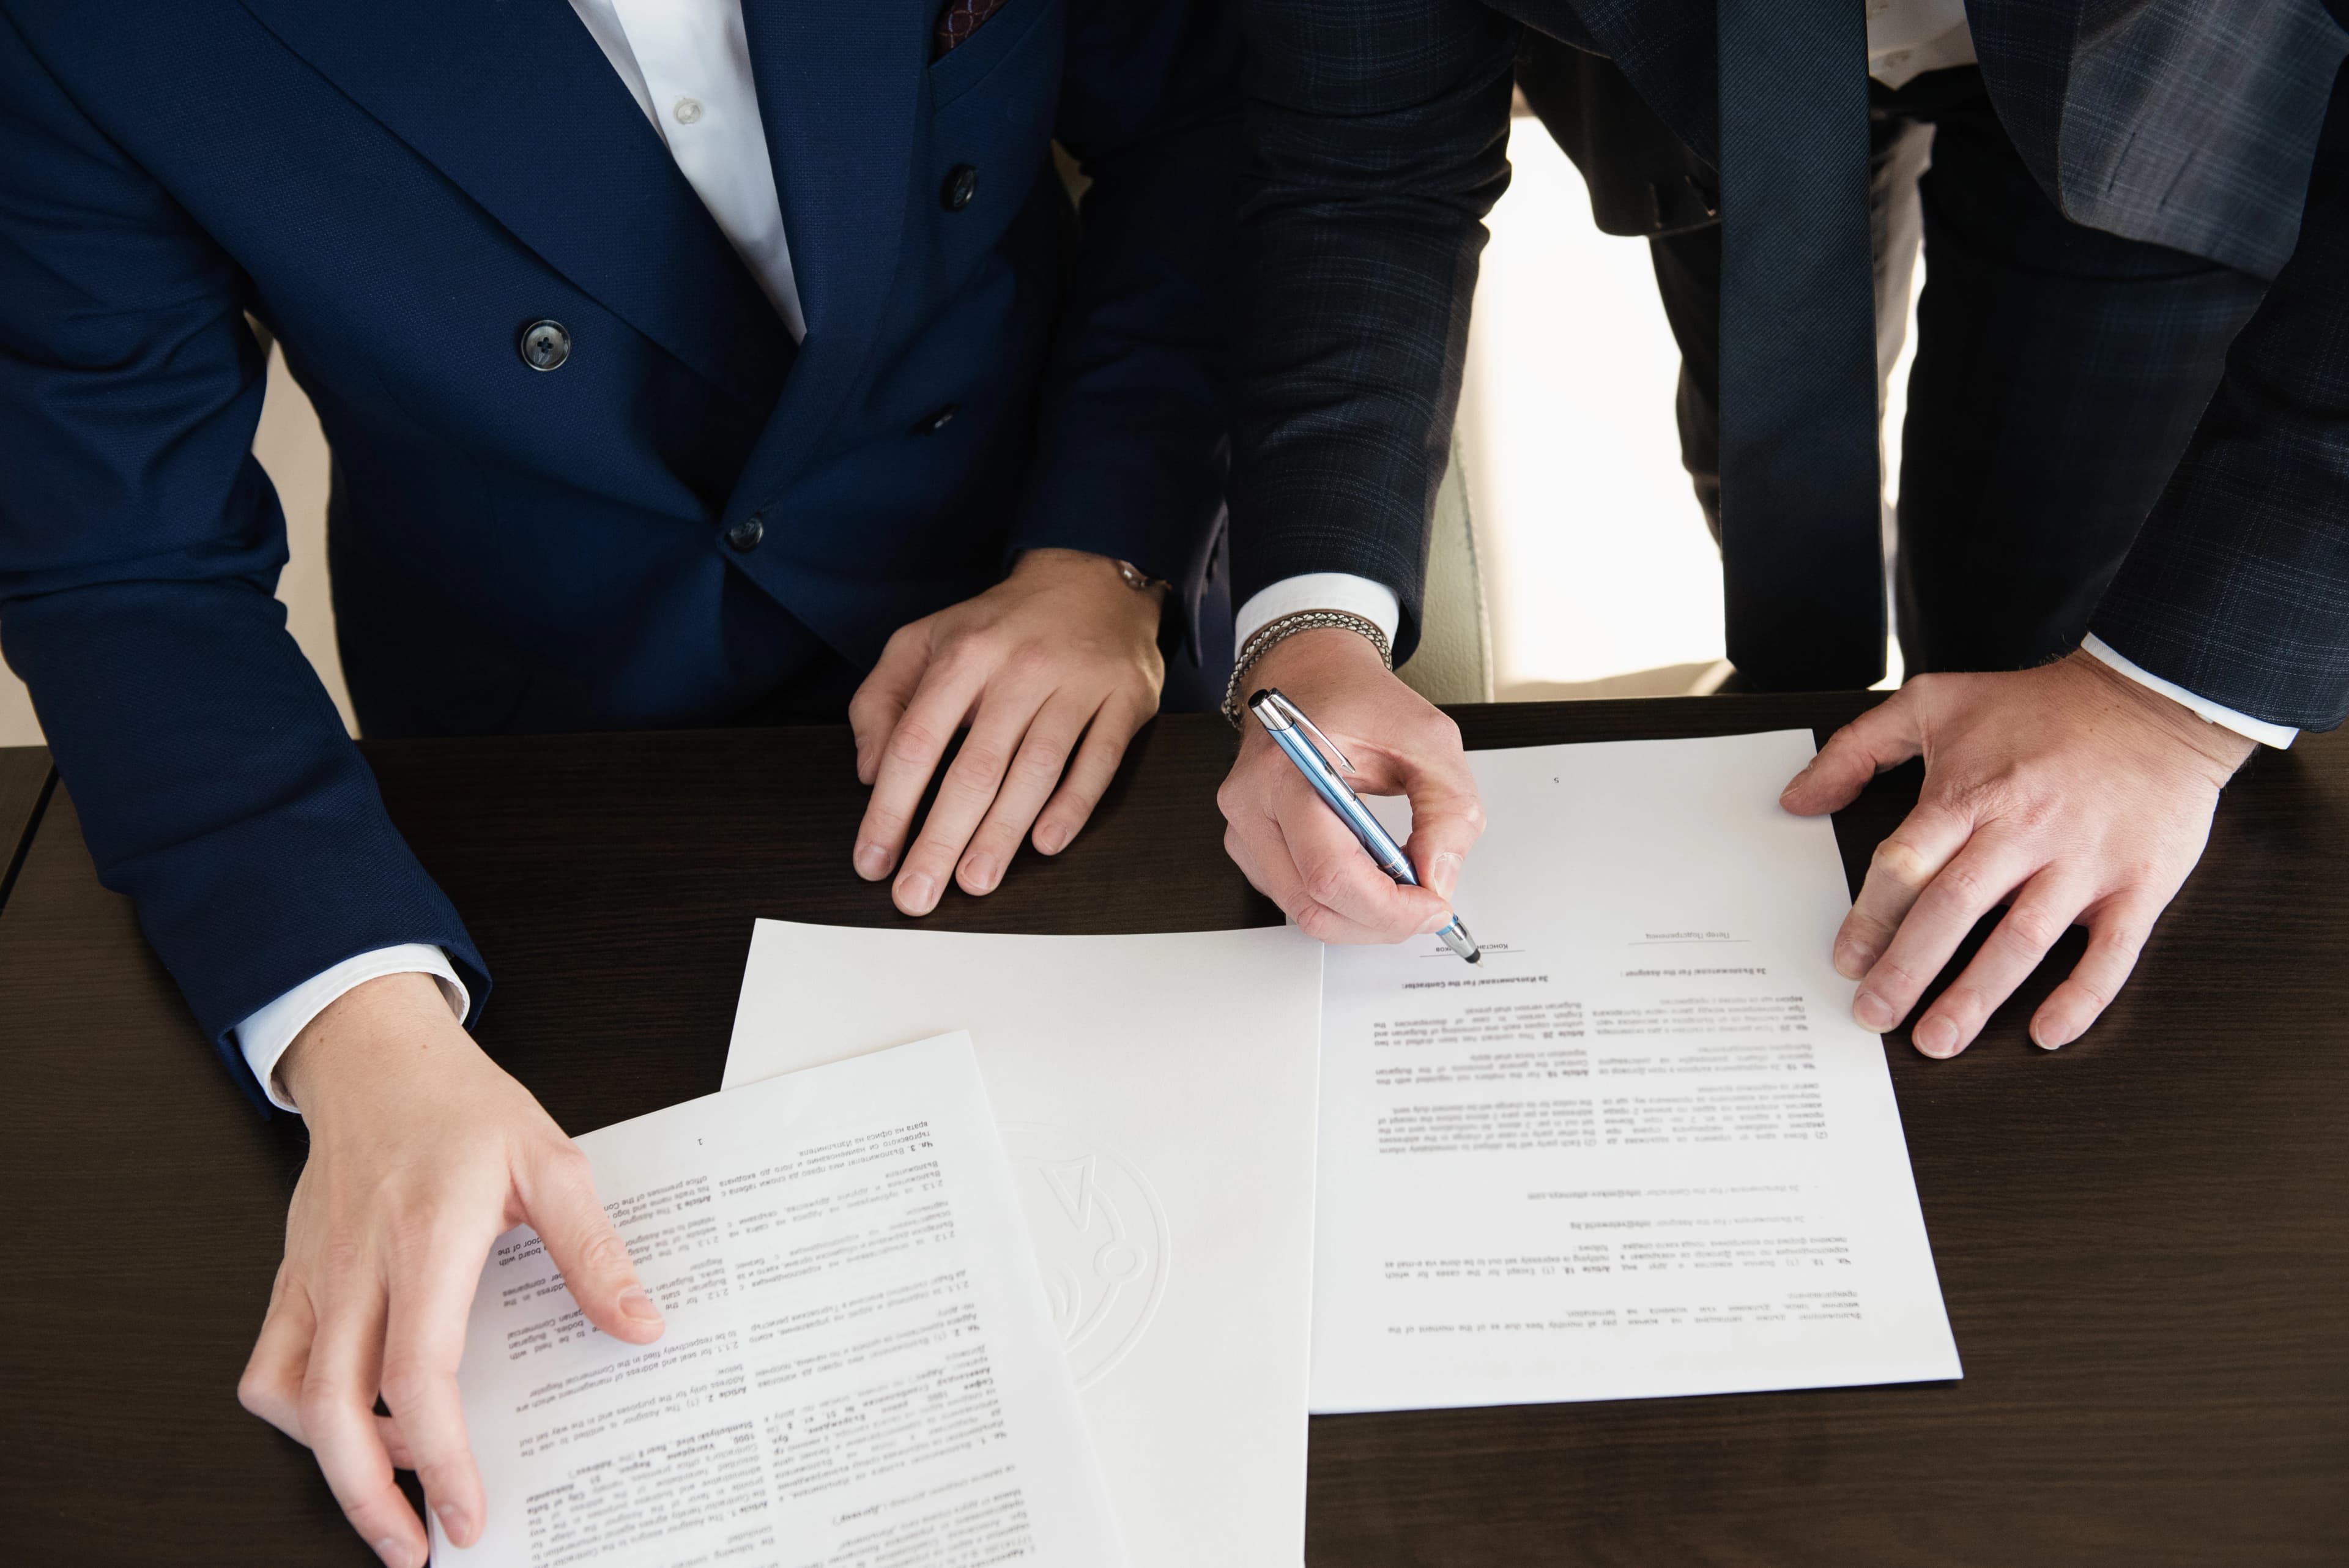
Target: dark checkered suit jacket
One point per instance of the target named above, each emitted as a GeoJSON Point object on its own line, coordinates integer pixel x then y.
{"type": "Point", "coordinates": [1380, 128]}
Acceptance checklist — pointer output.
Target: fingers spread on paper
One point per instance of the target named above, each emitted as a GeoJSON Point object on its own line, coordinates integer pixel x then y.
{"type": "Point", "coordinates": [2068, 793]}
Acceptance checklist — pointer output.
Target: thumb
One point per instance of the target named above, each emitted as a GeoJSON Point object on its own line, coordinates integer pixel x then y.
{"type": "Point", "coordinates": [881, 701]}
{"type": "Point", "coordinates": [1884, 737]}
{"type": "Point", "coordinates": [560, 1203]}
{"type": "Point", "coordinates": [1447, 817]}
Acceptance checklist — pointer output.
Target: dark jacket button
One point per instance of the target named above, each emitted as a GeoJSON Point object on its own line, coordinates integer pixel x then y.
{"type": "Point", "coordinates": [937, 421]}
{"type": "Point", "coordinates": [545, 345]}
{"type": "Point", "coordinates": [961, 185]}
{"type": "Point", "coordinates": [745, 536]}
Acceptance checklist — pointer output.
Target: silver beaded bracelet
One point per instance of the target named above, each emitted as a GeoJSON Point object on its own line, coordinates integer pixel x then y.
{"type": "Point", "coordinates": [1274, 633]}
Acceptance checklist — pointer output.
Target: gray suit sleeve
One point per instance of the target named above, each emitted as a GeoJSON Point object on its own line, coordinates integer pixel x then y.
{"type": "Point", "coordinates": [2237, 587]}
{"type": "Point", "coordinates": [1379, 134]}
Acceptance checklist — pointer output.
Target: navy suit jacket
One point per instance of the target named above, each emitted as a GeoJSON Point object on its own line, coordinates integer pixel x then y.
{"type": "Point", "coordinates": [396, 189]}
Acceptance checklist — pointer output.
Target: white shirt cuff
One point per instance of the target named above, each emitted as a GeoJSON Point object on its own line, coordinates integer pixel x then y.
{"type": "Point", "coordinates": [1375, 602]}
{"type": "Point", "coordinates": [265, 1036]}
{"type": "Point", "coordinates": [2277, 735]}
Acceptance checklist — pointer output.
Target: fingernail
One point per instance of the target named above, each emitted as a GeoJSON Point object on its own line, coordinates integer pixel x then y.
{"type": "Point", "coordinates": [393, 1551]}
{"type": "Point", "coordinates": [1936, 1037]}
{"type": "Point", "coordinates": [1435, 923]}
{"type": "Point", "coordinates": [1872, 1012]}
{"type": "Point", "coordinates": [980, 873]}
{"type": "Point", "coordinates": [453, 1524]}
{"type": "Point", "coordinates": [872, 862]}
{"type": "Point", "coordinates": [1050, 840]}
{"type": "Point", "coordinates": [638, 1304]}
{"type": "Point", "coordinates": [1852, 960]}
{"type": "Point", "coordinates": [2045, 1037]}
{"type": "Point", "coordinates": [1796, 782]}
{"type": "Point", "coordinates": [1444, 874]}
{"type": "Point", "coordinates": [917, 893]}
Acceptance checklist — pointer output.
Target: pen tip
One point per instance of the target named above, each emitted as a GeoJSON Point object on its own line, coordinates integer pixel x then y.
{"type": "Point", "coordinates": [1477, 957]}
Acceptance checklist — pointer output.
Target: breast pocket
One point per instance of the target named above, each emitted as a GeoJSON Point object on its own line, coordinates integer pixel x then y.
{"type": "Point", "coordinates": [1004, 54]}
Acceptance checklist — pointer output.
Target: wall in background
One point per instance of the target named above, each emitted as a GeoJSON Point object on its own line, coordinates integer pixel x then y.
{"type": "Point", "coordinates": [1600, 578]}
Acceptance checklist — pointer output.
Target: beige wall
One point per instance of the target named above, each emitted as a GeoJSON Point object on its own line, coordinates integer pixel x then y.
{"type": "Point", "coordinates": [291, 448]}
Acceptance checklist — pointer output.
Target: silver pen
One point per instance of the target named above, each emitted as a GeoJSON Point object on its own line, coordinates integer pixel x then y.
{"type": "Point", "coordinates": [1290, 729]}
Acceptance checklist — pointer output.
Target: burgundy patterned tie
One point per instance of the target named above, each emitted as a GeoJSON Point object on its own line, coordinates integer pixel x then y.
{"type": "Point", "coordinates": [960, 19]}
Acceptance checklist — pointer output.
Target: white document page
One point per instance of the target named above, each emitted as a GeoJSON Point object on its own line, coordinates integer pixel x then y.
{"type": "Point", "coordinates": [1640, 1148]}
{"type": "Point", "coordinates": [860, 1368]}
{"type": "Point", "coordinates": [1157, 1096]}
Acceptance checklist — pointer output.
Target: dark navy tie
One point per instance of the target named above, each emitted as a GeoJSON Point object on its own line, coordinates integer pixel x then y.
{"type": "Point", "coordinates": [1801, 547]}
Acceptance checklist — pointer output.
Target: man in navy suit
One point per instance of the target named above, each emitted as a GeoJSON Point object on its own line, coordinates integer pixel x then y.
{"type": "Point", "coordinates": [683, 363]}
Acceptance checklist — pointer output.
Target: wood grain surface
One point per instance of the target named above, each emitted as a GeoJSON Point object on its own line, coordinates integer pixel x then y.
{"type": "Point", "coordinates": [24, 782]}
{"type": "Point", "coordinates": [2142, 1239]}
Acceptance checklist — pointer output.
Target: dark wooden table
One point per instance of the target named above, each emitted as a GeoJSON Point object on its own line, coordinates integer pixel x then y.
{"type": "Point", "coordinates": [2144, 1239]}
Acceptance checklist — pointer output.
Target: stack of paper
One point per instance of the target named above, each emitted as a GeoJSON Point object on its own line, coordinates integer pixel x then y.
{"type": "Point", "coordinates": [1157, 1098]}
{"type": "Point", "coordinates": [860, 1370]}
{"type": "Point", "coordinates": [1639, 1150]}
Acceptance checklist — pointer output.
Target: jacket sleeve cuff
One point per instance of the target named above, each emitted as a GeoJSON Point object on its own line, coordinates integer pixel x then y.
{"type": "Point", "coordinates": [1375, 602]}
{"type": "Point", "coordinates": [2277, 735]}
{"type": "Point", "coordinates": [265, 1036]}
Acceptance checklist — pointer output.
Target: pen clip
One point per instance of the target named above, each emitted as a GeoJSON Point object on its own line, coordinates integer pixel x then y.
{"type": "Point", "coordinates": [1273, 699]}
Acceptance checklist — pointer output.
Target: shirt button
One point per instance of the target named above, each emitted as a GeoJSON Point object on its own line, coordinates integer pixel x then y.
{"type": "Point", "coordinates": [545, 345]}
{"type": "Point", "coordinates": [961, 185]}
{"type": "Point", "coordinates": [937, 421]}
{"type": "Point", "coordinates": [745, 536]}
{"type": "Point", "coordinates": [687, 110]}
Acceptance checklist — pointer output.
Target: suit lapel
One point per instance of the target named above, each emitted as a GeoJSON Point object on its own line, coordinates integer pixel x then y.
{"type": "Point", "coordinates": [512, 101]}
{"type": "Point", "coordinates": [839, 92]}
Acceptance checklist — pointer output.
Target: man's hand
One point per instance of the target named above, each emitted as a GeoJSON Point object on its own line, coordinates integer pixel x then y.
{"type": "Point", "coordinates": [1058, 661]}
{"type": "Point", "coordinates": [422, 1150]}
{"type": "Point", "coordinates": [1294, 848]}
{"type": "Point", "coordinates": [2070, 791]}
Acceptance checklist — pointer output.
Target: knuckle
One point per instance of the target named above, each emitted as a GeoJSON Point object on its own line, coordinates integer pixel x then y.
{"type": "Point", "coordinates": [2032, 926]}
{"type": "Point", "coordinates": [914, 743]}
{"type": "Point", "coordinates": [972, 653]}
{"type": "Point", "coordinates": [1029, 663]}
{"type": "Point", "coordinates": [1899, 860]}
{"type": "Point", "coordinates": [981, 756]}
{"type": "Point", "coordinates": [317, 1404]}
{"type": "Point", "coordinates": [1965, 1003]}
{"type": "Point", "coordinates": [1041, 762]}
{"type": "Point", "coordinates": [2099, 997]}
{"type": "Point", "coordinates": [1961, 884]}
{"type": "Point", "coordinates": [1326, 882]}
{"type": "Point", "coordinates": [257, 1393]}
{"type": "Point", "coordinates": [1316, 921]}
{"type": "Point", "coordinates": [1892, 979]}
{"type": "Point", "coordinates": [1868, 930]}
{"type": "Point", "coordinates": [1438, 731]}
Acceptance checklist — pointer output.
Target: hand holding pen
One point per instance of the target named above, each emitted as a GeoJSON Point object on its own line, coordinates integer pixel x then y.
{"type": "Point", "coordinates": [1322, 764]}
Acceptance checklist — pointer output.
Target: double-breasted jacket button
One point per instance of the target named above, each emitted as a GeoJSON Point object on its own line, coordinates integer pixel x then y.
{"type": "Point", "coordinates": [934, 424]}
{"type": "Point", "coordinates": [545, 345]}
{"type": "Point", "coordinates": [745, 536]}
{"type": "Point", "coordinates": [961, 185]}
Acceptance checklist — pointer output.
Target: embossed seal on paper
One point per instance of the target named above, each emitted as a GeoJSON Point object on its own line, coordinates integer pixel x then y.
{"type": "Point", "coordinates": [1101, 1239]}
